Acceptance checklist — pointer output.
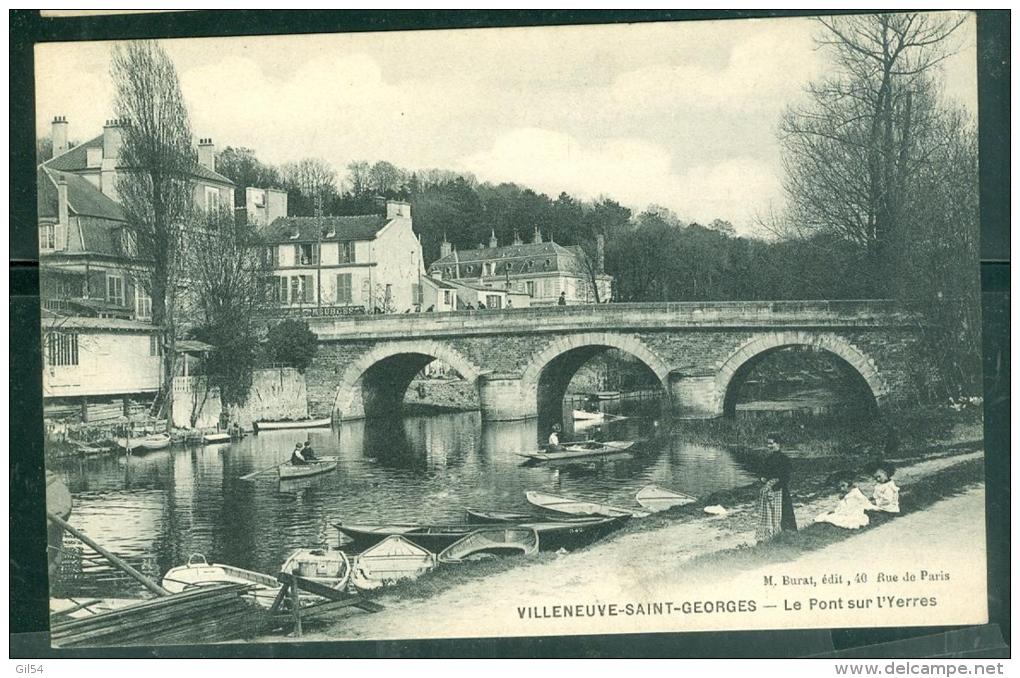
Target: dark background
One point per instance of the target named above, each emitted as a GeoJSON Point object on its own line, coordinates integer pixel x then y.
{"type": "Point", "coordinates": [29, 608]}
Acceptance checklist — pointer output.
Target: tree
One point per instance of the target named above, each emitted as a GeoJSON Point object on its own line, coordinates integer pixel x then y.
{"type": "Point", "coordinates": [241, 166]}
{"type": "Point", "coordinates": [291, 343]}
{"type": "Point", "coordinates": [386, 179]}
{"type": "Point", "coordinates": [156, 191]}
{"type": "Point", "coordinates": [228, 273]}
{"type": "Point", "coordinates": [311, 183]}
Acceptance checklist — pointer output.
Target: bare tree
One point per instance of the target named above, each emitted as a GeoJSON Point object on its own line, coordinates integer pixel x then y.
{"type": "Point", "coordinates": [851, 153]}
{"type": "Point", "coordinates": [155, 188]}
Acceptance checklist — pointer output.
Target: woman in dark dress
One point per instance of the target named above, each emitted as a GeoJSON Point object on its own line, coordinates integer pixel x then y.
{"type": "Point", "coordinates": [775, 505]}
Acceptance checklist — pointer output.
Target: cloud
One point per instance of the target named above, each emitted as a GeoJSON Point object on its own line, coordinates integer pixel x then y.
{"type": "Point", "coordinates": [633, 171]}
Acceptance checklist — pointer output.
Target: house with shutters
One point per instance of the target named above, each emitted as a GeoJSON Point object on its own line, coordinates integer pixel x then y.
{"type": "Point", "coordinates": [100, 345]}
{"type": "Point", "coordinates": [346, 265]}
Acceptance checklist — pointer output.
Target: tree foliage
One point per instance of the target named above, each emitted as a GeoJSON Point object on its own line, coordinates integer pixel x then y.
{"type": "Point", "coordinates": [291, 343]}
{"type": "Point", "coordinates": [241, 166]}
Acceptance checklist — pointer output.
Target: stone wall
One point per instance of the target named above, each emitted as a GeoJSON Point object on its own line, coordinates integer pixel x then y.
{"type": "Point", "coordinates": [277, 393]}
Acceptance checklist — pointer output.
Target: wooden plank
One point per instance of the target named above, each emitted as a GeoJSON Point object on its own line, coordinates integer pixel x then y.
{"type": "Point", "coordinates": [310, 586]}
{"type": "Point", "coordinates": [280, 597]}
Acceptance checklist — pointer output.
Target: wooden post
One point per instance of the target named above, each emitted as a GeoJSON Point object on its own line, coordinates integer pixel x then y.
{"type": "Point", "coordinates": [118, 562]}
{"type": "Point", "coordinates": [295, 604]}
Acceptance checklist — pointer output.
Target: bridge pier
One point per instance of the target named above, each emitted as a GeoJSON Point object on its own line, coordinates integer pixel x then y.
{"type": "Point", "coordinates": [694, 396]}
{"type": "Point", "coordinates": [502, 398]}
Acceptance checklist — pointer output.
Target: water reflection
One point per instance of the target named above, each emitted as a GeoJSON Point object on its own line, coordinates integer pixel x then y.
{"type": "Point", "coordinates": [157, 509]}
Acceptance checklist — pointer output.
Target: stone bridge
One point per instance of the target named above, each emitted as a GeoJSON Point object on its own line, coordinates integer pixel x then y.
{"type": "Point", "coordinates": [521, 361]}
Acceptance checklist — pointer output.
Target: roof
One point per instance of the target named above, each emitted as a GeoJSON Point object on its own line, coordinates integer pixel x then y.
{"type": "Point", "coordinates": [83, 198]}
{"type": "Point", "coordinates": [192, 346]}
{"type": "Point", "coordinates": [441, 284]}
{"type": "Point", "coordinates": [58, 323]}
{"type": "Point", "coordinates": [525, 258]}
{"type": "Point", "coordinates": [334, 229]}
{"type": "Point", "coordinates": [76, 160]}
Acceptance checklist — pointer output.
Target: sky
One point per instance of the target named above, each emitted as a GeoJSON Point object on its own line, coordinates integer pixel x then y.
{"type": "Point", "coordinates": [682, 115]}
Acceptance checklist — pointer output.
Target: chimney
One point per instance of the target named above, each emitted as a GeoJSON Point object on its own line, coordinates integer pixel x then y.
{"type": "Point", "coordinates": [517, 238]}
{"type": "Point", "coordinates": [62, 214]}
{"type": "Point", "coordinates": [536, 238]}
{"type": "Point", "coordinates": [445, 248]}
{"type": "Point", "coordinates": [396, 209]}
{"type": "Point", "coordinates": [492, 239]}
{"type": "Point", "coordinates": [59, 135]}
{"type": "Point", "coordinates": [112, 139]}
{"type": "Point", "coordinates": [207, 154]}
{"type": "Point", "coordinates": [600, 253]}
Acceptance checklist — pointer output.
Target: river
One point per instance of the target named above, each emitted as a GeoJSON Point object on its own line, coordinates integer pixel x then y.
{"type": "Point", "coordinates": [156, 509]}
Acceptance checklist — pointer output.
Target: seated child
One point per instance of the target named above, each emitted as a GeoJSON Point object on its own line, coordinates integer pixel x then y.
{"type": "Point", "coordinates": [850, 511]}
{"type": "Point", "coordinates": [886, 495]}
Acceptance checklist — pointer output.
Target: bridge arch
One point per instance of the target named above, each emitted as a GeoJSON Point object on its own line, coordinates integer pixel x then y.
{"type": "Point", "coordinates": [375, 383]}
{"type": "Point", "coordinates": [739, 361]}
{"type": "Point", "coordinates": [545, 380]}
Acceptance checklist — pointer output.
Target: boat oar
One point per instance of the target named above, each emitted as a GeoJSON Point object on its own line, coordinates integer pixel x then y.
{"type": "Point", "coordinates": [249, 476]}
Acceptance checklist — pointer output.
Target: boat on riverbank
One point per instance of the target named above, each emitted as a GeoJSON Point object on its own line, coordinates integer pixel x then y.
{"type": "Point", "coordinates": [315, 467]}
{"type": "Point", "coordinates": [573, 533]}
{"type": "Point", "coordinates": [480, 517]}
{"type": "Point", "coordinates": [392, 559]}
{"type": "Point", "coordinates": [655, 498]}
{"type": "Point", "coordinates": [558, 504]}
{"type": "Point", "coordinates": [584, 415]}
{"type": "Point", "coordinates": [146, 443]}
{"type": "Point", "coordinates": [198, 572]}
{"type": "Point", "coordinates": [325, 422]}
{"type": "Point", "coordinates": [581, 450]}
{"type": "Point", "coordinates": [58, 502]}
{"type": "Point", "coordinates": [435, 538]}
{"type": "Point", "coordinates": [498, 541]}
{"type": "Point", "coordinates": [326, 567]}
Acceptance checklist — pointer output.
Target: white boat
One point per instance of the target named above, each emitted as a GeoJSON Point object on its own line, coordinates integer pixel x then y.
{"type": "Point", "coordinates": [581, 450]}
{"type": "Point", "coordinates": [297, 423]}
{"type": "Point", "coordinates": [212, 438]}
{"type": "Point", "coordinates": [392, 559]}
{"type": "Point", "coordinates": [492, 540]}
{"type": "Point", "coordinates": [199, 572]}
{"type": "Point", "coordinates": [310, 468]}
{"type": "Point", "coordinates": [154, 441]}
{"type": "Point", "coordinates": [560, 504]}
{"type": "Point", "coordinates": [329, 568]}
{"type": "Point", "coordinates": [582, 415]}
{"type": "Point", "coordinates": [655, 498]}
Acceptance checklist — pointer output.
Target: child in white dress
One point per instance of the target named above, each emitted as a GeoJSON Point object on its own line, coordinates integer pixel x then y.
{"type": "Point", "coordinates": [850, 511]}
{"type": "Point", "coordinates": [886, 495]}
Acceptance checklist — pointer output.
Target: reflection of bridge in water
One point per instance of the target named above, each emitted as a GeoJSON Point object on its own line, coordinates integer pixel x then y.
{"type": "Point", "coordinates": [521, 361]}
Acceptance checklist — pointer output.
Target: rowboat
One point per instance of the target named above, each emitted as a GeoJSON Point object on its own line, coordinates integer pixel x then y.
{"type": "Point", "coordinates": [296, 423]}
{"type": "Point", "coordinates": [329, 568]}
{"type": "Point", "coordinates": [199, 572]}
{"type": "Point", "coordinates": [212, 438]}
{"type": "Point", "coordinates": [435, 538]}
{"type": "Point", "coordinates": [552, 502]}
{"type": "Point", "coordinates": [583, 415]}
{"type": "Point", "coordinates": [311, 468]}
{"type": "Point", "coordinates": [392, 559]}
{"type": "Point", "coordinates": [155, 441]}
{"type": "Point", "coordinates": [493, 541]}
{"type": "Point", "coordinates": [655, 498]}
{"type": "Point", "coordinates": [573, 533]}
{"type": "Point", "coordinates": [580, 451]}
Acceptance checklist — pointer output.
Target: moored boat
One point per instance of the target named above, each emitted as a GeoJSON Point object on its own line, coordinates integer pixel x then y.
{"type": "Point", "coordinates": [199, 572]}
{"type": "Point", "coordinates": [573, 533]}
{"type": "Point", "coordinates": [558, 504]}
{"type": "Point", "coordinates": [584, 415]}
{"type": "Point", "coordinates": [655, 498]}
{"type": "Point", "coordinates": [435, 538]}
{"type": "Point", "coordinates": [501, 541]}
{"type": "Point", "coordinates": [480, 517]}
{"type": "Point", "coordinates": [312, 468]}
{"type": "Point", "coordinates": [326, 567]}
{"type": "Point", "coordinates": [392, 559]}
{"type": "Point", "coordinates": [296, 423]}
{"type": "Point", "coordinates": [581, 450]}
{"type": "Point", "coordinates": [213, 438]}
{"type": "Point", "coordinates": [146, 443]}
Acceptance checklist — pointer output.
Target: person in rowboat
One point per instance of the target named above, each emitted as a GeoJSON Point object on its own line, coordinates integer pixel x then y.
{"type": "Point", "coordinates": [296, 457]}
{"type": "Point", "coordinates": [308, 453]}
{"type": "Point", "coordinates": [554, 438]}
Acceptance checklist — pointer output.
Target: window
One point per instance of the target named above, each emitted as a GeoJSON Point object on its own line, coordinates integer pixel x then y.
{"type": "Point", "coordinates": [47, 236]}
{"type": "Point", "coordinates": [61, 349]}
{"type": "Point", "coordinates": [493, 301]}
{"type": "Point", "coordinates": [127, 243]}
{"type": "Point", "coordinates": [143, 305]}
{"type": "Point", "coordinates": [389, 293]}
{"type": "Point", "coordinates": [115, 289]}
{"type": "Point", "coordinates": [295, 289]}
{"type": "Point", "coordinates": [155, 348]}
{"type": "Point", "coordinates": [416, 297]}
{"type": "Point", "coordinates": [346, 252]}
{"type": "Point", "coordinates": [280, 294]}
{"type": "Point", "coordinates": [70, 287]}
{"type": "Point", "coordinates": [343, 288]}
{"type": "Point", "coordinates": [307, 289]}
{"type": "Point", "coordinates": [212, 200]}
{"type": "Point", "coordinates": [308, 254]}
{"type": "Point", "coordinates": [446, 297]}
{"type": "Point", "coordinates": [530, 285]}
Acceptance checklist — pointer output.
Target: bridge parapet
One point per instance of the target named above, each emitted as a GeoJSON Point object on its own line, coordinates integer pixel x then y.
{"type": "Point", "coordinates": [636, 316]}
